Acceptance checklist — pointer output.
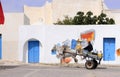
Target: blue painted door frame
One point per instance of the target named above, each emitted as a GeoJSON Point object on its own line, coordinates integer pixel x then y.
{"type": "Point", "coordinates": [109, 49]}
{"type": "Point", "coordinates": [33, 51]}
{"type": "Point", "coordinates": [0, 47]}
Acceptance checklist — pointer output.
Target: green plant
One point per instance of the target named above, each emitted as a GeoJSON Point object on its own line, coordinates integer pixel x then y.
{"type": "Point", "coordinates": [86, 19]}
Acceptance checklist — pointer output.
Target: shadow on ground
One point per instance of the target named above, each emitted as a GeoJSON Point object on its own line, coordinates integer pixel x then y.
{"type": "Point", "coordinates": [81, 66]}
{"type": "Point", "coordinates": [7, 67]}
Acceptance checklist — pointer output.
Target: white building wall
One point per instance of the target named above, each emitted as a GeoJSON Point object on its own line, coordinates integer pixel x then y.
{"type": "Point", "coordinates": [50, 35]}
{"type": "Point", "coordinates": [38, 14]}
{"type": "Point", "coordinates": [62, 8]}
{"type": "Point", "coordinates": [113, 14]}
{"type": "Point", "coordinates": [57, 9]}
{"type": "Point", "coordinates": [28, 33]}
{"type": "Point", "coordinates": [10, 35]}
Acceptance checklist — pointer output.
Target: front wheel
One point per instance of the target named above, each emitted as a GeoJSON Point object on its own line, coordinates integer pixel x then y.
{"type": "Point", "coordinates": [91, 64]}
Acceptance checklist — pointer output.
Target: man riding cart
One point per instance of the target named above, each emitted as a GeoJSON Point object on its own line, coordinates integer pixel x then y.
{"type": "Point", "coordinates": [82, 48]}
{"type": "Point", "coordinates": [85, 51]}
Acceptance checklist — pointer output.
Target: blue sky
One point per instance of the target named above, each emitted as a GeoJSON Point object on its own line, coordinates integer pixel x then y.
{"type": "Point", "coordinates": [112, 4]}
{"type": "Point", "coordinates": [17, 5]}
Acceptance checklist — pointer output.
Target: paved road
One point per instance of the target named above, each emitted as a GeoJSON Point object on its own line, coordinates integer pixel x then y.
{"type": "Point", "coordinates": [58, 71]}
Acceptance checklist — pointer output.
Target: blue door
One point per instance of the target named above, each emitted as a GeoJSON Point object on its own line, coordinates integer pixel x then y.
{"type": "Point", "coordinates": [0, 46]}
{"type": "Point", "coordinates": [33, 52]}
{"type": "Point", "coordinates": [109, 49]}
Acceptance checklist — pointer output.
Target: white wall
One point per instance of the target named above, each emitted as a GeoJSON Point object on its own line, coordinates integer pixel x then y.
{"type": "Point", "coordinates": [10, 35]}
{"type": "Point", "coordinates": [113, 14]}
{"type": "Point", "coordinates": [27, 33]}
{"type": "Point", "coordinates": [39, 14]}
{"type": "Point", "coordinates": [53, 34]}
{"type": "Point", "coordinates": [62, 8]}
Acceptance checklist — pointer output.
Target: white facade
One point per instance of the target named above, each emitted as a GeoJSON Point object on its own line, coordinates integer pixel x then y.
{"type": "Point", "coordinates": [58, 9]}
{"type": "Point", "coordinates": [15, 37]}
{"type": "Point", "coordinates": [113, 14]}
{"type": "Point", "coordinates": [10, 35]}
{"type": "Point", "coordinates": [37, 14]}
{"type": "Point", "coordinates": [50, 35]}
{"type": "Point", "coordinates": [62, 8]}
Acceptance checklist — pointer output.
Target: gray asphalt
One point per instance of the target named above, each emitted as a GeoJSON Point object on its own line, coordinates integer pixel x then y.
{"type": "Point", "coordinates": [58, 71]}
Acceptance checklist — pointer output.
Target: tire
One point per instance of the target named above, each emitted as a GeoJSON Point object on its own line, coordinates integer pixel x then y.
{"type": "Point", "coordinates": [89, 64]}
{"type": "Point", "coordinates": [95, 64]}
